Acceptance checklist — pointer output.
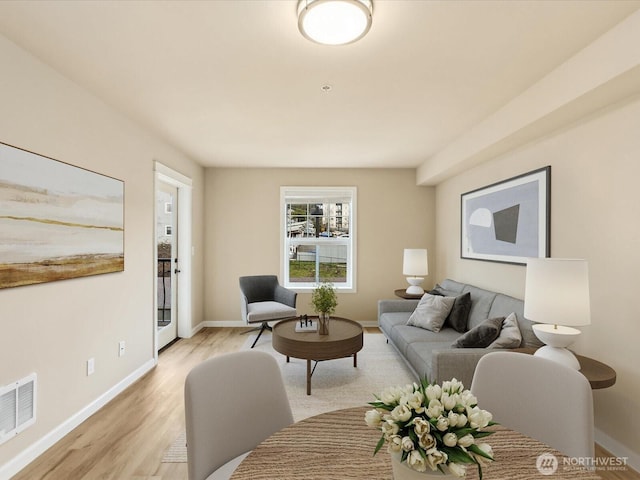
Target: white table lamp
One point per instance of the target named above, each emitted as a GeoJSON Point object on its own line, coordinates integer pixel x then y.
{"type": "Point", "coordinates": [557, 297]}
{"type": "Point", "coordinates": [415, 266]}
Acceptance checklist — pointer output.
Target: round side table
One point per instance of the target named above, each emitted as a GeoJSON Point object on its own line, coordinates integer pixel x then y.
{"type": "Point", "coordinates": [402, 293]}
{"type": "Point", "coordinates": [600, 375]}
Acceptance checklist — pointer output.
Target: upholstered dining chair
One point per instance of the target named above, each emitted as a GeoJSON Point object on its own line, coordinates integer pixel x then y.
{"type": "Point", "coordinates": [538, 397]}
{"type": "Point", "coordinates": [222, 428]}
{"type": "Point", "coordinates": [263, 299]}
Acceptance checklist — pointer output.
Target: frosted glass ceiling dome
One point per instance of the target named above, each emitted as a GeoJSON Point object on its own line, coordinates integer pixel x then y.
{"type": "Point", "coordinates": [334, 22]}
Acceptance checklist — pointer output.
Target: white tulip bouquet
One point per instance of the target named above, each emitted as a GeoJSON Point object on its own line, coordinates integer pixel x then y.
{"type": "Point", "coordinates": [432, 425]}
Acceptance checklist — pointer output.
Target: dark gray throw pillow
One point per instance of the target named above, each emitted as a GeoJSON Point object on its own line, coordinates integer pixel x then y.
{"type": "Point", "coordinates": [459, 314]}
{"type": "Point", "coordinates": [480, 336]}
{"type": "Point", "coordinates": [440, 290]}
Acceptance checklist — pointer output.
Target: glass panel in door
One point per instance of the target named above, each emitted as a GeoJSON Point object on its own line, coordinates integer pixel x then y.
{"type": "Point", "coordinates": [167, 267]}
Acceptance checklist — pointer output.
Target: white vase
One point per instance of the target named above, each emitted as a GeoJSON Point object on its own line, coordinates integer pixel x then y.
{"type": "Point", "coordinates": [402, 471]}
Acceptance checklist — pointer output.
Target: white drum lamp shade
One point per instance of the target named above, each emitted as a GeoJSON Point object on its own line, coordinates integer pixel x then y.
{"type": "Point", "coordinates": [415, 266]}
{"type": "Point", "coordinates": [557, 297]}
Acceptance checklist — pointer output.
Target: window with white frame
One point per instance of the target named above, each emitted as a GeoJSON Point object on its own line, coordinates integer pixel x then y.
{"type": "Point", "coordinates": [318, 236]}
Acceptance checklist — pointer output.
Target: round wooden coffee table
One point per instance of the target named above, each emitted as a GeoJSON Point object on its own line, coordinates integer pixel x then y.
{"type": "Point", "coordinates": [344, 340]}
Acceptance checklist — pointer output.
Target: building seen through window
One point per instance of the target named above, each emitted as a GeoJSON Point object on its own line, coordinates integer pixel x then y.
{"type": "Point", "coordinates": [318, 236]}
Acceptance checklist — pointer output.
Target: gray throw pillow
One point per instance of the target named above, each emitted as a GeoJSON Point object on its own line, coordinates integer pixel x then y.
{"type": "Point", "coordinates": [431, 312]}
{"type": "Point", "coordinates": [510, 336]}
{"type": "Point", "coordinates": [459, 314]}
{"type": "Point", "coordinates": [480, 336]}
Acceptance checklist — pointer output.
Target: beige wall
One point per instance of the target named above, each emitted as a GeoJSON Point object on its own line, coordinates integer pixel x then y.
{"type": "Point", "coordinates": [243, 237]}
{"type": "Point", "coordinates": [53, 328]}
{"type": "Point", "coordinates": [595, 169]}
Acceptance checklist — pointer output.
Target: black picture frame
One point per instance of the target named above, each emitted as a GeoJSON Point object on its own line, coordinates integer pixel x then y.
{"type": "Point", "coordinates": [508, 221]}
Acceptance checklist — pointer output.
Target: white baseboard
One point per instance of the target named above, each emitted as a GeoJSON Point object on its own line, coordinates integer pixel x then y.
{"type": "Point", "coordinates": [617, 449]}
{"type": "Point", "coordinates": [240, 323]}
{"type": "Point", "coordinates": [196, 329]}
{"type": "Point", "coordinates": [224, 323]}
{"type": "Point", "coordinates": [28, 455]}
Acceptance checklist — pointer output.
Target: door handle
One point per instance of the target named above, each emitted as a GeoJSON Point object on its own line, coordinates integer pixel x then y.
{"type": "Point", "coordinates": [177, 271]}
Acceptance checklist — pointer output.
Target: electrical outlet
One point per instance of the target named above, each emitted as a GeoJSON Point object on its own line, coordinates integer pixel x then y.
{"type": "Point", "coordinates": [91, 366]}
{"type": "Point", "coordinates": [121, 348]}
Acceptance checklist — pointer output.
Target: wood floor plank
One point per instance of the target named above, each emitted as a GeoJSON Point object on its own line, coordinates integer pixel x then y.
{"type": "Point", "coordinates": [127, 438]}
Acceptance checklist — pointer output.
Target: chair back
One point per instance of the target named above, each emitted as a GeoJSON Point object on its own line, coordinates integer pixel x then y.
{"type": "Point", "coordinates": [538, 397]}
{"type": "Point", "coordinates": [232, 403]}
{"type": "Point", "coordinates": [259, 288]}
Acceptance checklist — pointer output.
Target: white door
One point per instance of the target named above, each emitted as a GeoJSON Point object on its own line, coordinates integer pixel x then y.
{"type": "Point", "coordinates": [168, 266]}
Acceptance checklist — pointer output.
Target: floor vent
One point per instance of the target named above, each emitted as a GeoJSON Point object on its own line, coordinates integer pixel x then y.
{"type": "Point", "coordinates": [17, 407]}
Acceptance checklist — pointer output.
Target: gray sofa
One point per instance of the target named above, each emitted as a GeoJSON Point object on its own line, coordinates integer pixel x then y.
{"type": "Point", "coordinates": [430, 354]}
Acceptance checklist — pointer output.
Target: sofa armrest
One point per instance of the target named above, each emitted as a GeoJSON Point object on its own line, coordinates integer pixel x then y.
{"type": "Point", "coordinates": [385, 306]}
{"type": "Point", "coordinates": [459, 363]}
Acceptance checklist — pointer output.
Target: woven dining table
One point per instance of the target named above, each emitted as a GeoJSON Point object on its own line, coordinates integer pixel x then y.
{"type": "Point", "coordinates": [338, 445]}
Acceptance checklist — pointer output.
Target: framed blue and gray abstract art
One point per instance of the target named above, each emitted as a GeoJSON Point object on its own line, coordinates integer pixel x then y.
{"type": "Point", "coordinates": [508, 221]}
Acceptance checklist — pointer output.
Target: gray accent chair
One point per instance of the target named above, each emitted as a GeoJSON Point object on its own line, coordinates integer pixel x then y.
{"type": "Point", "coordinates": [222, 429]}
{"type": "Point", "coordinates": [263, 299]}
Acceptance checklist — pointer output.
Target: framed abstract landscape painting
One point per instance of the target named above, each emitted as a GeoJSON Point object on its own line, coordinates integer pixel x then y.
{"type": "Point", "coordinates": [508, 221]}
{"type": "Point", "coordinates": [57, 221]}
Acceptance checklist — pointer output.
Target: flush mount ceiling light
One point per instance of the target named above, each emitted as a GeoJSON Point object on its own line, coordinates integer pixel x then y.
{"type": "Point", "coordinates": [334, 22]}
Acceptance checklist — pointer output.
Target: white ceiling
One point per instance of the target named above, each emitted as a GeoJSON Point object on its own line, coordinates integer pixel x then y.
{"type": "Point", "coordinates": [233, 83]}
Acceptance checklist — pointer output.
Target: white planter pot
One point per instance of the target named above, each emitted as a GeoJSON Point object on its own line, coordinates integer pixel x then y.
{"type": "Point", "coordinates": [401, 471]}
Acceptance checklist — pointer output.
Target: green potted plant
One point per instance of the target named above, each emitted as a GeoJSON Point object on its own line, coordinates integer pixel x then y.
{"type": "Point", "coordinates": [324, 300]}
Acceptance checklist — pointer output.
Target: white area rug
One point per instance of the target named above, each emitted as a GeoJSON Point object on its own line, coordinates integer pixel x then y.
{"type": "Point", "coordinates": [335, 383]}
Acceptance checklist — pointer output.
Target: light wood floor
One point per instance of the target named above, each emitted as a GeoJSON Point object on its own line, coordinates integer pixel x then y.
{"type": "Point", "coordinates": [127, 438]}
